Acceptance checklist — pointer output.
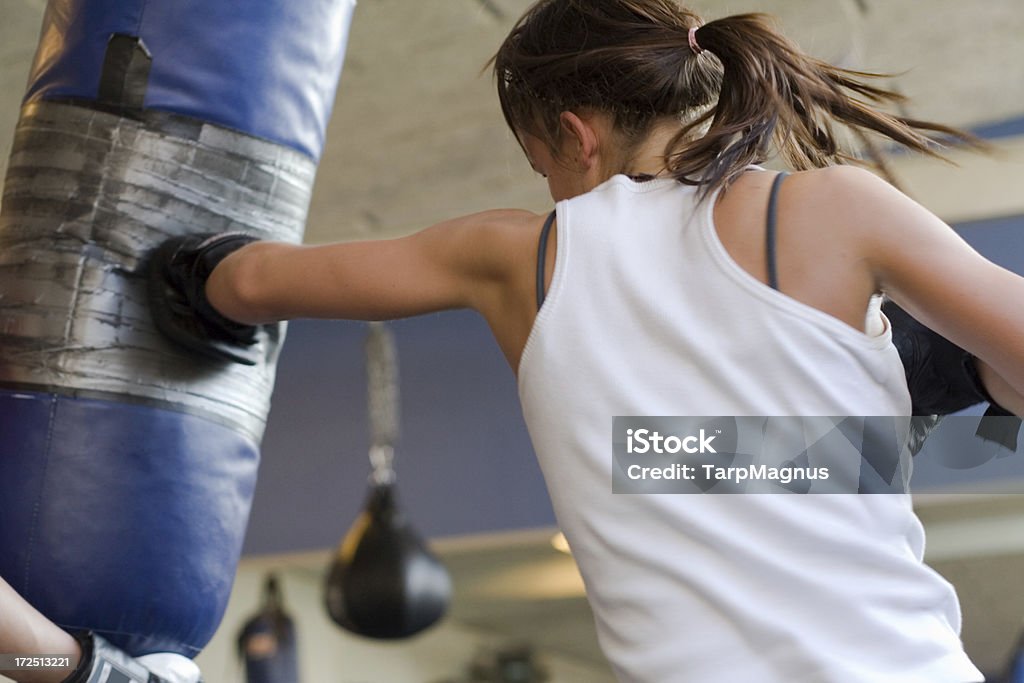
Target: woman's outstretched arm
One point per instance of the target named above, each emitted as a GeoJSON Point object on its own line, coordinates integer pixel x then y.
{"type": "Point", "coordinates": [461, 263]}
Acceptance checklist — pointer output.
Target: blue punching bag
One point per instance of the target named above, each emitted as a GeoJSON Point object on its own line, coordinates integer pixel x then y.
{"type": "Point", "coordinates": [1016, 672]}
{"type": "Point", "coordinates": [127, 466]}
{"type": "Point", "coordinates": [267, 643]}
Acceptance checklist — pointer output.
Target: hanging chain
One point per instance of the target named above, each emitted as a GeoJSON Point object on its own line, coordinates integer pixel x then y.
{"type": "Point", "coordinates": [382, 396]}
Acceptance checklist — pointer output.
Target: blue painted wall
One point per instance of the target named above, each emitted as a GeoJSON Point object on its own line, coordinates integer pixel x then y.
{"type": "Point", "coordinates": [464, 463]}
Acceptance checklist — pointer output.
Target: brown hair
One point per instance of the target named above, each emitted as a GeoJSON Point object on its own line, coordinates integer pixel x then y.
{"type": "Point", "coordinates": [754, 89]}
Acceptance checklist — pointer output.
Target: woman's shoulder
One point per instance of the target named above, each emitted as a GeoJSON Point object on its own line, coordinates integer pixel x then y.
{"type": "Point", "coordinates": [493, 244]}
{"type": "Point", "coordinates": [841, 202]}
{"type": "Point", "coordinates": [846, 188]}
{"type": "Point", "coordinates": [502, 222]}
{"type": "Point", "coordinates": [820, 250]}
{"type": "Point", "coordinates": [491, 231]}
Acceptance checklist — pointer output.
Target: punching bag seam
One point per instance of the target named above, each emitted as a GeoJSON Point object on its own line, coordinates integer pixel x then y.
{"type": "Point", "coordinates": [142, 14]}
{"type": "Point", "coordinates": [52, 420]}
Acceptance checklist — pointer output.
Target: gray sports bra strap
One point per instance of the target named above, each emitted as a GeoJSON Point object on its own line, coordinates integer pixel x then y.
{"type": "Point", "coordinates": [542, 252]}
{"type": "Point", "coordinates": [773, 198]}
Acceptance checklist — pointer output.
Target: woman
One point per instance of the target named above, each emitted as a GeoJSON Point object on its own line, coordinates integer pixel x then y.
{"type": "Point", "coordinates": [665, 297]}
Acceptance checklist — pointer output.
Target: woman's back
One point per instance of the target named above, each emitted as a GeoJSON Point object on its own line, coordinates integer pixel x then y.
{"type": "Point", "coordinates": [648, 314]}
{"type": "Point", "coordinates": [640, 272]}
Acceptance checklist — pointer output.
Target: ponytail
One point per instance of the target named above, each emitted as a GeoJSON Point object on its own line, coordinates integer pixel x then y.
{"type": "Point", "coordinates": [740, 89]}
{"type": "Point", "coordinates": [775, 97]}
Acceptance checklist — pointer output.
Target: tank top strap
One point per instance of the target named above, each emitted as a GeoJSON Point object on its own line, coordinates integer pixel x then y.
{"type": "Point", "coordinates": [773, 200]}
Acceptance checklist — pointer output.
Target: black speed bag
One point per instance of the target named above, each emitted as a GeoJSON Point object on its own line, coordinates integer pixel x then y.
{"type": "Point", "coordinates": [384, 582]}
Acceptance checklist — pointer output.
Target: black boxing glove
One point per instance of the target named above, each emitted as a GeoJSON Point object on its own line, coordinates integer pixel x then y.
{"type": "Point", "coordinates": [941, 376]}
{"type": "Point", "coordinates": [943, 379]}
{"type": "Point", "coordinates": [178, 271]}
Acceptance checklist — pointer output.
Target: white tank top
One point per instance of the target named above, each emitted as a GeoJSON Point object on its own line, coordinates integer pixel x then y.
{"type": "Point", "coordinates": [647, 314]}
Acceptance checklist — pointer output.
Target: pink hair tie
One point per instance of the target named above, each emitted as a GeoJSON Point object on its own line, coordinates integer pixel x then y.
{"type": "Point", "coordinates": [697, 49]}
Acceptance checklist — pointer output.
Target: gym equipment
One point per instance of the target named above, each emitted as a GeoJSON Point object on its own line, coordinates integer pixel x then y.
{"type": "Point", "coordinates": [941, 376]}
{"type": "Point", "coordinates": [942, 379]}
{"type": "Point", "coordinates": [101, 662]}
{"type": "Point", "coordinates": [514, 663]}
{"type": "Point", "coordinates": [127, 463]}
{"type": "Point", "coordinates": [1015, 670]}
{"type": "Point", "coordinates": [384, 582]}
{"type": "Point", "coordinates": [267, 642]}
{"type": "Point", "coordinates": [178, 271]}
{"type": "Point", "coordinates": [511, 664]}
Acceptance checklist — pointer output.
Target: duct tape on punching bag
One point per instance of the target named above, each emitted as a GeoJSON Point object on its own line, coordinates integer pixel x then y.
{"type": "Point", "coordinates": [127, 466]}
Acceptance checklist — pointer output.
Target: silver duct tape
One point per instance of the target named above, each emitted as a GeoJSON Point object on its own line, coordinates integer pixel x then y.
{"type": "Point", "coordinates": [88, 195]}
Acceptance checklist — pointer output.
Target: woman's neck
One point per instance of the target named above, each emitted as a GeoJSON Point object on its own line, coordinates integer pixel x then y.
{"type": "Point", "coordinates": [648, 157]}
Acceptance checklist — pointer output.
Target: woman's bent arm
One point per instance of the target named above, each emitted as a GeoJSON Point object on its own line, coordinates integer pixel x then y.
{"type": "Point", "coordinates": [935, 275]}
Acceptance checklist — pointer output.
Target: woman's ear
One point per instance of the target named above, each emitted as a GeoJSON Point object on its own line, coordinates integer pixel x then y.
{"type": "Point", "coordinates": [581, 139]}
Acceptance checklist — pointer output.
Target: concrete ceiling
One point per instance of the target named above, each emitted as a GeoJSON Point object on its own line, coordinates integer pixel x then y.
{"type": "Point", "coordinates": [417, 136]}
